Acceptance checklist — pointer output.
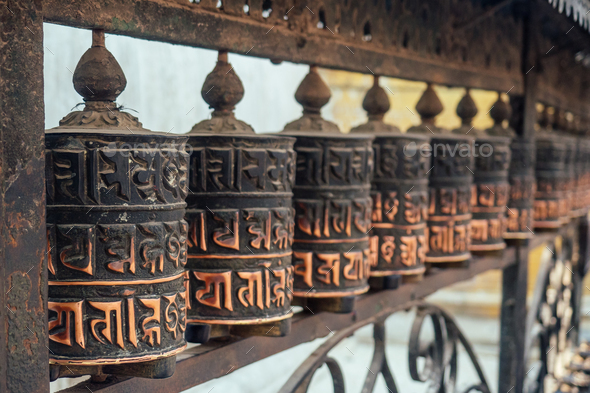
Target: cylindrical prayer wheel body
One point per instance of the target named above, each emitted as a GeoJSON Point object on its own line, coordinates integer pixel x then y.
{"type": "Point", "coordinates": [331, 254]}
{"type": "Point", "coordinates": [522, 189]}
{"type": "Point", "coordinates": [400, 204]}
{"type": "Point", "coordinates": [577, 206]}
{"type": "Point", "coordinates": [584, 178]}
{"type": "Point", "coordinates": [489, 196]}
{"type": "Point", "coordinates": [116, 244]}
{"type": "Point", "coordinates": [240, 218]}
{"type": "Point", "coordinates": [567, 206]}
{"type": "Point", "coordinates": [551, 176]}
{"type": "Point", "coordinates": [449, 209]}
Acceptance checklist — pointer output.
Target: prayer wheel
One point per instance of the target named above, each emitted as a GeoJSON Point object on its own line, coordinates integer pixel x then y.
{"type": "Point", "coordinates": [331, 254]}
{"type": "Point", "coordinates": [521, 176]}
{"type": "Point", "coordinates": [399, 190]}
{"type": "Point", "coordinates": [489, 195]}
{"type": "Point", "coordinates": [116, 233]}
{"type": "Point", "coordinates": [449, 187]}
{"type": "Point", "coordinates": [583, 183]}
{"type": "Point", "coordinates": [561, 126]}
{"type": "Point", "coordinates": [550, 171]}
{"type": "Point", "coordinates": [240, 218]}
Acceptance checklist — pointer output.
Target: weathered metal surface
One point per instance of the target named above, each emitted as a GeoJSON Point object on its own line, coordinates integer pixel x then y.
{"type": "Point", "coordinates": [550, 173]}
{"type": "Point", "coordinates": [23, 273]}
{"type": "Point", "coordinates": [216, 359]}
{"type": "Point", "coordinates": [399, 190]}
{"type": "Point", "coordinates": [240, 214]}
{"type": "Point", "coordinates": [428, 41]}
{"type": "Point", "coordinates": [116, 237]}
{"type": "Point", "coordinates": [450, 186]}
{"type": "Point", "coordinates": [489, 196]}
{"type": "Point", "coordinates": [331, 254]}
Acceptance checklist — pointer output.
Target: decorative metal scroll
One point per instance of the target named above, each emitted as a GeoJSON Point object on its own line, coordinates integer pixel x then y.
{"type": "Point", "coordinates": [553, 318]}
{"type": "Point", "coordinates": [433, 362]}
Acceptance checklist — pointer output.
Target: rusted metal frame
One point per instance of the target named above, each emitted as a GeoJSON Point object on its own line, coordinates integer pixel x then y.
{"type": "Point", "coordinates": [514, 277]}
{"type": "Point", "coordinates": [185, 25]}
{"type": "Point", "coordinates": [24, 365]}
{"type": "Point", "coordinates": [216, 359]}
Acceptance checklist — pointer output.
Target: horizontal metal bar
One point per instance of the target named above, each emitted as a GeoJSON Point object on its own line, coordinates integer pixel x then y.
{"type": "Point", "coordinates": [186, 24]}
{"type": "Point", "coordinates": [213, 360]}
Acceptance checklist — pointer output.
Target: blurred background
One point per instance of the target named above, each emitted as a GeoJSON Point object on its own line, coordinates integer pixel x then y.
{"type": "Point", "coordinates": [164, 90]}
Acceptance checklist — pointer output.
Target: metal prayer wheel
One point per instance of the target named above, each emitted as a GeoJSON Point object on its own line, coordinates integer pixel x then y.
{"type": "Point", "coordinates": [450, 183]}
{"type": "Point", "coordinates": [331, 254]}
{"type": "Point", "coordinates": [489, 195]}
{"type": "Point", "coordinates": [240, 219]}
{"type": "Point", "coordinates": [562, 127]}
{"type": "Point", "coordinates": [521, 176]}
{"type": "Point", "coordinates": [399, 190]}
{"type": "Point", "coordinates": [550, 171]}
{"type": "Point", "coordinates": [116, 241]}
{"type": "Point", "coordinates": [583, 175]}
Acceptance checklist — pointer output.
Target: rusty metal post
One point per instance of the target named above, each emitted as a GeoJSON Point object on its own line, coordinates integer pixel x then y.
{"type": "Point", "coordinates": [400, 195]}
{"type": "Point", "coordinates": [489, 196]}
{"type": "Point", "coordinates": [514, 277]}
{"type": "Point", "coordinates": [24, 365]}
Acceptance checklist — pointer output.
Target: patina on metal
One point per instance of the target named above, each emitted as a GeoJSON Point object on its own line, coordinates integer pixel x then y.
{"type": "Point", "coordinates": [489, 195]}
{"type": "Point", "coordinates": [116, 235]}
{"type": "Point", "coordinates": [550, 173]}
{"type": "Point", "coordinates": [399, 190]}
{"type": "Point", "coordinates": [521, 175]}
{"type": "Point", "coordinates": [331, 254]}
{"type": "Point", "coordinates": [240, 219]}
{"type": "Point", "coordinates": [450, 182]}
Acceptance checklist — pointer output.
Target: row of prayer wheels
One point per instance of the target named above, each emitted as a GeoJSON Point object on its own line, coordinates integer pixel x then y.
{"type": "Point", "coordinates": [157, 239]}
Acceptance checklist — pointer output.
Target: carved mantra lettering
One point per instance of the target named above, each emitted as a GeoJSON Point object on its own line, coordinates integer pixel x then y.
{"type": "Point", "coordinates": [546, 210]}
{"type": "Point", "coordinates": [264, 230]}
{"type": "Point", "coordinates": [489, 195]}
{"type": "Point", "coordinates": [106, 320]}
{"type": "Point", "coordinates": [89, 176]}
{"type": "Point", "coordinates": [448, 239]}
{"type": "Point", "coordinates": [118, 249]}
{"type": "Point", "coordinates": [241, 170]}
{"type": "Point", "coordinates": [484, 230]}
{"type": "Point", "coordinates": [449, 201]}
{"type": "Point", "coordinates": [412, 249]}
{"type": "Point", "coordinates": [248, 288]}
{"type": "Point", "coordinates": [331, 268]}
{"type": "Point", "coordinates": [334, 165]}
{"type": "Point", "coordinates": [333, 218]}
{"type": "Point", "coordinates": [386, 206]}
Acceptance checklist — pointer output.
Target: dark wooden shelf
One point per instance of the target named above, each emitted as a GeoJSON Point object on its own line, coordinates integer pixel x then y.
{"type": "Point", "coordinates": [213, 360]}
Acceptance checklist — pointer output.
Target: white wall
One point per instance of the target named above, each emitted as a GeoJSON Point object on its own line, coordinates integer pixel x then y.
{"type": "Point", "coordinates": [164, 82]}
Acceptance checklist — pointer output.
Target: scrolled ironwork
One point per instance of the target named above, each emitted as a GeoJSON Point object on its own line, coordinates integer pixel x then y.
{"type": "Point", "coordinates": [553, 316]}
{"type": "Point", "coordinates": [439, 355]}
